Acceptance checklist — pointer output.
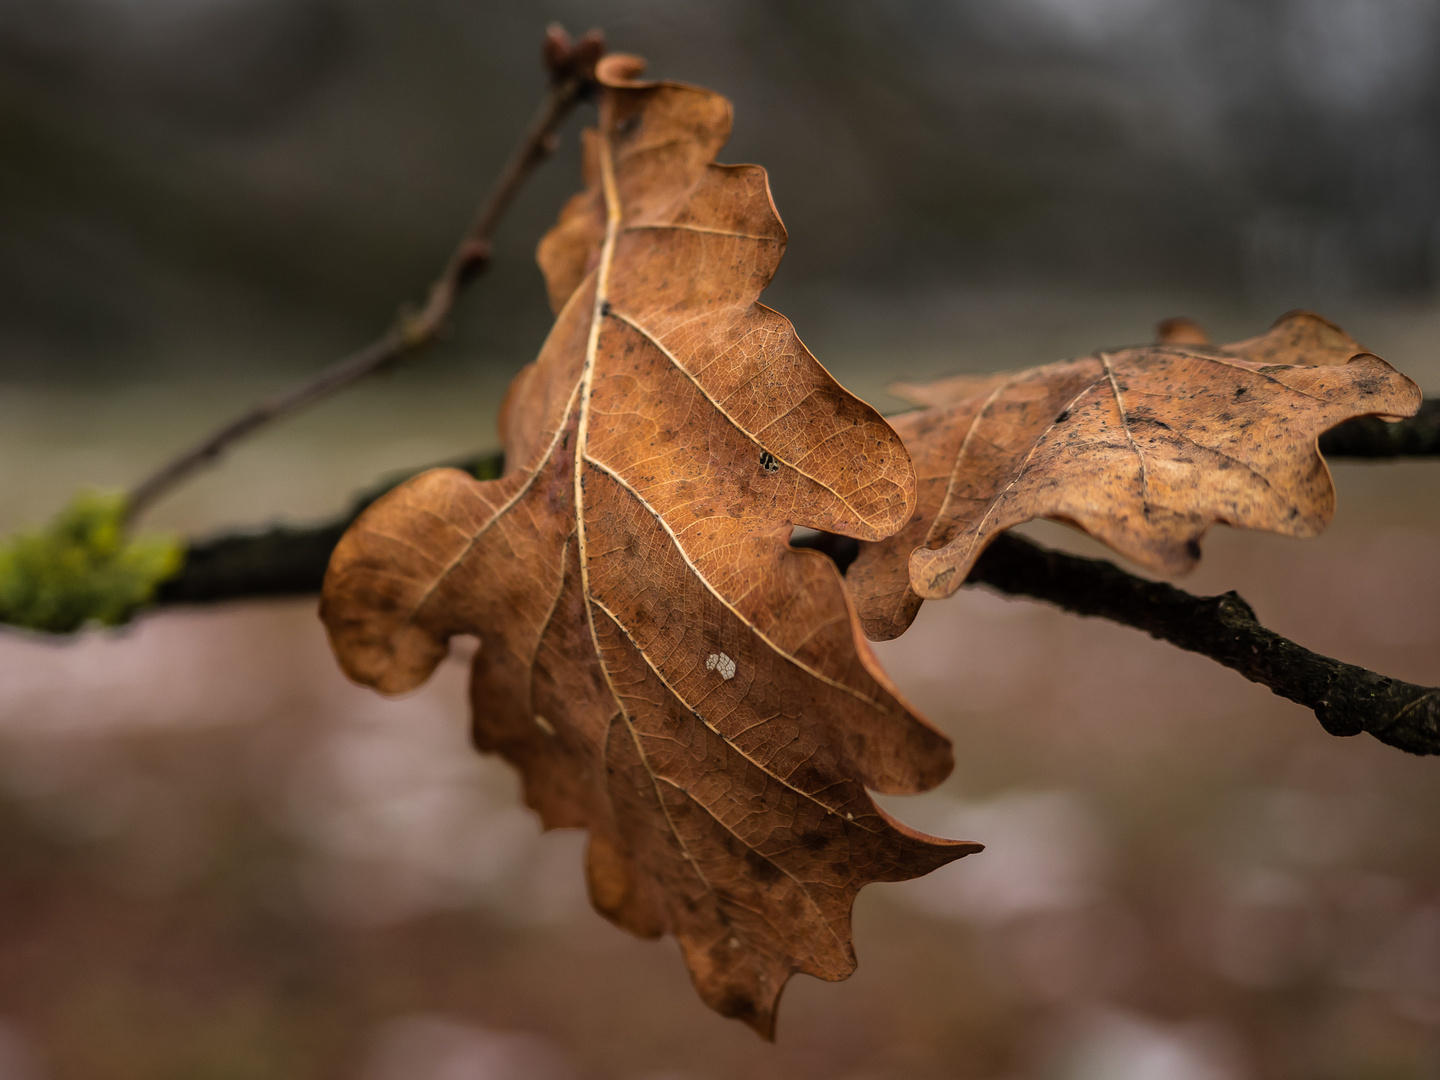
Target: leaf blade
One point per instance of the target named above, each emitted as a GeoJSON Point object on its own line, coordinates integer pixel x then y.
{"type": "Point", "coordinates": [1143, 448]}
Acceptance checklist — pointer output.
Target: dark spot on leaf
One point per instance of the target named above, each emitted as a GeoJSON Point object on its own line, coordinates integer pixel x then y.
{"type": "Point", "coordinates": [814, 840]}
{"type": "Point", "coordinates": [763, 869]}
{"type": "Point", "coordinates": [605, 307]}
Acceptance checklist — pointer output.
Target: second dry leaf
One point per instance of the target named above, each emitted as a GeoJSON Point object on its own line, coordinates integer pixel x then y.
{"type": "Point", "coordinates": [1143, 448]}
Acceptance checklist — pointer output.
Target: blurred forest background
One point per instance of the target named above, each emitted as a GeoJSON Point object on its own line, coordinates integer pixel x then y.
{"type": "Point", "coordinates": [220, 861]}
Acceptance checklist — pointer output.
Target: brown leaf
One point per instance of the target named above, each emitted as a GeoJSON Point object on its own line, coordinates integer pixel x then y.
{"type": "Point", "coordinates": [660, 665]}
{"type": "Point", "coordinates": [1143, 448]}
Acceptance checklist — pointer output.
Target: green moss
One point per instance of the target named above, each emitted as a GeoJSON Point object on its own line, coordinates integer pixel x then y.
{"type": "Point", "coordinates": [82, 568]}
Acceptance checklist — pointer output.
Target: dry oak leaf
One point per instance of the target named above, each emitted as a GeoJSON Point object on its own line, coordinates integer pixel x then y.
{"type": "Point", "coordinates": [1143, 448]}
{"type": "Point", "coordinates": [660, 665]}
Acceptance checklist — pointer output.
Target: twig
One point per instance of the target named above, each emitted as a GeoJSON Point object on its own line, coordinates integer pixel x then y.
{"type": "Point", "coordinates": [1371, 437]}
{"type": "Point", "coordinates": [572, 71]}
{"type": "Point", "coordinates": [1347, 699]}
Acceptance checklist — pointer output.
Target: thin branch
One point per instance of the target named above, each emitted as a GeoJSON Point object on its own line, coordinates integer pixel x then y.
{"type": "Point", "coordinates": [290, 561]}
{"type": "Point", "coordinates": [572, 72]}
{"type": "Point", "coordinates": [1371, 437]}
{"type": "Point", "coordinates": [1347, 699]}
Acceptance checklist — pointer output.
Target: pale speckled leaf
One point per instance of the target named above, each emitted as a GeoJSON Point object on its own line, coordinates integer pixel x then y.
{"type": "Point", "coordinates": [1143, 448]}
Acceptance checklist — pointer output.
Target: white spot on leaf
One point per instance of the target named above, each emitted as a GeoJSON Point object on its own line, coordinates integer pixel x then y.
{"type": "Point", "coordinates": [721, 663]}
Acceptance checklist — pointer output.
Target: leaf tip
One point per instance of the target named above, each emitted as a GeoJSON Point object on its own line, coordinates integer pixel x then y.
{"type": "Point", "coordinates": [1401, 395]}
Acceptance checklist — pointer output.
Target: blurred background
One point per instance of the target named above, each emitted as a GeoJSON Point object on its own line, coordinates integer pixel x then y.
{"type": "Point", "coordinates": [220, 861]}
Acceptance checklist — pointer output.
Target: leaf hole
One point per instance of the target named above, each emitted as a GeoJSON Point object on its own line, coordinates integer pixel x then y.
{"type": "Point", "coordinates": [768, 462]}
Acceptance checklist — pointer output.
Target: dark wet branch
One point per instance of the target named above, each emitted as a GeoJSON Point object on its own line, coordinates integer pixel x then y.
{"type": "Point", "coordinates": [1371, 437]}
{"type": "Point", "coordinates": [290, 561]}
{"type": "Point", "coordinates": [283, 560]}
{"type": "Point", "coordinates": [1347, 699]}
